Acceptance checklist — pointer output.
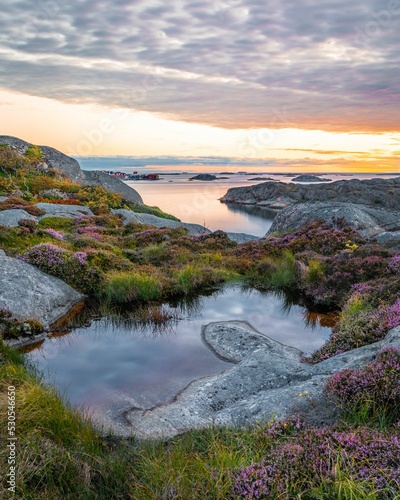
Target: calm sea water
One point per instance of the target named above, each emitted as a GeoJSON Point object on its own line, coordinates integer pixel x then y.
{"type": "Point", "coordinates": [113, 365]}
{"type": "Point", "coordinates": [197, 201]}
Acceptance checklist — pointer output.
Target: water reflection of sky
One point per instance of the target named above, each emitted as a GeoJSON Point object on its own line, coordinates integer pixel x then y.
{"type": "Point", "coordinates": [115, 364]}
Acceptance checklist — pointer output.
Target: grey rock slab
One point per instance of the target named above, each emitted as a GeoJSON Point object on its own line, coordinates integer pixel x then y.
{"type": "Point", "coordinates": [153, 220]}
{"type": "Point", "coordinates": [367, 220]}
{"type": "Point", "coordinates": [11, 218]}
{"type": "Point", "coordinates": [242, 237]}
{"type": "Point", "coordinates": [235, 340]}
{"type": "Point", "coordinates": [29, 293]}
{"type": "Point", "coordinates": [59, 210]}
{"type": "Point", "coordinates": [113, 184]}
{"type": "Point", "coordinates": [270, 381]}
{"type": "Point", "coordinates": [389, 239]}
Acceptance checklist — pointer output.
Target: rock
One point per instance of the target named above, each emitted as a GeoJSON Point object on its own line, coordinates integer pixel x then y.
{"type": "Point", "coordinates": [204, 177]}
{"type": "Point", "coordinates": [54, 193]}
{"type": "Point", "coordinates": [242, 237]}
{"type": "Point", "coordinates": [310, 178]}
{"type": "Point", "coordinates": [29, 293]}
{"type": "Point", "coordinates": [376, 193]}
{"type": "Point", "coordinates": [367, 220]}
{"type": "Point", "coordinates": [153, 220]}
{"type": "Point", "coordinates": [58, 210]}
{"type": "Point", "coordinates": [11, 218]}
{"type": "Point", "coordinates": [71, 169]}
{"type": "Point", "coordinates": [3, 198]}
{"type": "Point", "coordinates": [94, 178]}
{"type": "Point", "coordinates": [268, 382]}
{"type": "Point", "coordinates": [390, 240]}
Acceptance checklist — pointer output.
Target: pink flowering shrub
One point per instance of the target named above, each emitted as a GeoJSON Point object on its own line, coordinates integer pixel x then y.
{"type": "Point", "coordinates": [394, 264]}
{"type": "Point", "coordinates": [393, 315]}
{"type": "Point", "coordinates": [47, 257]}
{"type": "Point", "coordinates": [371, 393]}
{"type": "Point", "coordinates": [92, 231]}
{"type": "Point", "coordinates": [55, 234]}
{"type": "Point", "coordinates": [362, 328]}
{"type": "Point", "coordinates": [70, 267]}
{"type": "Point", "coordinates": [315, 458]}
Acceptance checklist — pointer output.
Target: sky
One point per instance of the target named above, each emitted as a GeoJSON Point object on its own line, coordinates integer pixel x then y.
{"type": "Point", "coordinates": [296, 82]}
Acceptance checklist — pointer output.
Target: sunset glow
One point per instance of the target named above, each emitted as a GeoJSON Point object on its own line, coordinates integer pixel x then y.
{"type": "Point", "coordinates": [300, 86]}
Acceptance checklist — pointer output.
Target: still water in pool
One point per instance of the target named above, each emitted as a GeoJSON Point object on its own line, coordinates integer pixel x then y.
{"type": "Point", "coordinates": [115, 364]}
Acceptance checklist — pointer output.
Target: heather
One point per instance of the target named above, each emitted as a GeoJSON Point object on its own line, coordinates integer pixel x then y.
{"type": "Point", "coordinates": [323, 463]}
{"type": "Point", "coordinates": [370, 394]}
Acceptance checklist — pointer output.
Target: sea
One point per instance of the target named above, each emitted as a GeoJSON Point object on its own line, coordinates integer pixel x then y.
{"type": "Point", "coordinates": [198, 201]}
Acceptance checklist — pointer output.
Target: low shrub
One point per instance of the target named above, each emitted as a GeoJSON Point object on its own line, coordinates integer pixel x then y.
{"type": "Point", "coordinates": [323, 464]}
{"type": "Point", "coordinates": [370, 394]}
{"type": "Point", "coordinates": [70, 267]}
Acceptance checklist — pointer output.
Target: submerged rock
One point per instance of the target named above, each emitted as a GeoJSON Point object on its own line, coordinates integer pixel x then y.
{"type": "Point", "coordinates": [29, 293]}
{"type": "Point", "coordinates": [269, 381]}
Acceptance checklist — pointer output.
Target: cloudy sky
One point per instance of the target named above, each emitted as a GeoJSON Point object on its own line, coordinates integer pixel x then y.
{"type": "Point", "coordinates": [282, 80]}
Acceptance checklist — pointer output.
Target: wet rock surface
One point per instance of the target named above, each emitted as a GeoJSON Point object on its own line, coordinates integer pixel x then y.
{"type": "Point", "coordinates": [268, 381]}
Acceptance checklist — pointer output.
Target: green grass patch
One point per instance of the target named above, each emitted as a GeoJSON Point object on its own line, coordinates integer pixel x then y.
{"type": "Point", "coordinates": [57, 223]}
{"type": "Point", "coordinates": [145, 209]}
{"type": "Point", "coordinates": [135, 286]}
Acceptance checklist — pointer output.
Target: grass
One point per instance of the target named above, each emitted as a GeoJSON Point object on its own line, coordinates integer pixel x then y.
{"type": "Point", "coordinates": [284, 275]}
{"type": "Point", "coordinates": [123, 287]}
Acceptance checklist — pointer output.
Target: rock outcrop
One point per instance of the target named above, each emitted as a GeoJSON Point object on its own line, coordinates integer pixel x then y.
{"type": "Point", "coordinates": [70, 168]}
{"type": "Point", "coordinates": [378, 193]}
{"type": "Point", "coordinates": [153, 220]}
{"type": "Point", "coordinates": [12, 217]}
{"type": "Point", "coordinates": [310, 178]}
{"type": "Point", "coordinates": [268, 381]}
{"type": "Point", "coordinates": [368, 221]}
{"type": "Point", "coordinates": [29, 293]}
{"type": "Point", "coordinates": [193, 229]}
{"type": "Point", "coordinates": [95, 178]}
{"type": "Point", "coordinates": [52, 157]}
{"type": "Point", "coordinates": [59, 210]}
{"type": "Point", "coordinates": [204, 177]}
